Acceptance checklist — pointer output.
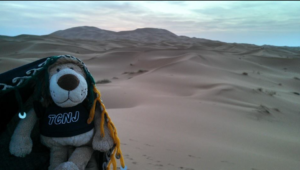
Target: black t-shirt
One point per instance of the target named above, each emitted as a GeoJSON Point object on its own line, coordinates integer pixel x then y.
{"type": "Point", "coordinates": [56, 121]}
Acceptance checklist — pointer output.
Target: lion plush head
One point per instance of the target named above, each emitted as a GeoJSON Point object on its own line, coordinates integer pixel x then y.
{"type": "Point", "coordinates": [67, 83]}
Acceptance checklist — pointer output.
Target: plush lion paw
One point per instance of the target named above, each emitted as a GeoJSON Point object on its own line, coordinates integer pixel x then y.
{"type": "Point", "coordinates": [67, 166]}
{"type": "Point", "coordinates": [20, 146]}
{"type": "Point", "coordinates": [102, 144]}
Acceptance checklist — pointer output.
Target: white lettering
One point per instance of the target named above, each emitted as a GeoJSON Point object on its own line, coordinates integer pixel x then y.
{"type": "Point", "coordinates": [51, 119]}
{"type": "Point", "coordinates": [58, 119]}
{"type": "Point", "coordinates": [63, 118]}
{"type": "Point", "coordinates": [76, 116]}
{"type": "Point", "coordinates": [67, 118]}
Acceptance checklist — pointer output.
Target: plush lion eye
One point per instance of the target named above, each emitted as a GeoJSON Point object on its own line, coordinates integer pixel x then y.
{"type": "Point", "coordinates": [58, 70]}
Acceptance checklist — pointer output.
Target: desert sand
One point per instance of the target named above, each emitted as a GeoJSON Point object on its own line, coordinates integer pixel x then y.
{"type": "Point", "coordinates": [194, 104]}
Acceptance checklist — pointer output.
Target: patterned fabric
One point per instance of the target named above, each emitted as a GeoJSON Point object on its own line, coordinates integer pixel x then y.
{"type": "Point", "coordinates": [21, 76]}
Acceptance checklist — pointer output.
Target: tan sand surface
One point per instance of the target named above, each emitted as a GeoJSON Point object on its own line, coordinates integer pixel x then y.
{"type": "Point", "coordinates": [191, 105]}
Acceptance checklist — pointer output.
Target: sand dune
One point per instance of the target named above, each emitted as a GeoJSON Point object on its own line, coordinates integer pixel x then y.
{"type": "Point", "coordinates": [93, 33]}
{"type": "Point", "coordinates": [193, 104]}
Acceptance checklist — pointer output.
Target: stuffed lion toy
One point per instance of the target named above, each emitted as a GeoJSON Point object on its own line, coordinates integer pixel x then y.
{"type": "Point", "coordinates": [59, 94]}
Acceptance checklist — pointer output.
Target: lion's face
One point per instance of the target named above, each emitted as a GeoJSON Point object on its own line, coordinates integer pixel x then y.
{"type": "Point", "coordinates": [68, 86]}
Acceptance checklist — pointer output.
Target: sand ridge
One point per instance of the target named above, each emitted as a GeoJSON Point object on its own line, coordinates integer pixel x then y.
{"type": "Point", "coordinates": [192, 104]}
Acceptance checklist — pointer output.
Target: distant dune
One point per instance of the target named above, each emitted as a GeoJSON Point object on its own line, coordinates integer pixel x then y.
{"type": "Point", "coordinates": [93, 33]}
{"type": "Point", "coordinates": [185, 103]}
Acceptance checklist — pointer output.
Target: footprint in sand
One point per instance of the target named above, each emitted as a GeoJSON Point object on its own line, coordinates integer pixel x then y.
{"type": "Point", "coordinates": [191, 156]}
{"type": "Point", "coordinates": [227, 162]}
{"type": "Point", "coordinates": [186, 168]}
{"type": "Point", "coordinates": [133, 140]}
{"type": "Point", "coordinates": [170, 164]}
{"type": "Point", "coordinates": [149, 145]}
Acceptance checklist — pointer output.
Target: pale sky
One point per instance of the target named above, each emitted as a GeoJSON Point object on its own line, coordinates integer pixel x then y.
{"type": "Point", "coordinates": [253, 22]}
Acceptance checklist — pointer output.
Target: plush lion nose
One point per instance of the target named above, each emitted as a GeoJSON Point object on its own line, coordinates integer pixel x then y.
{"type": "Point", "coordinates": [68, 82]}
